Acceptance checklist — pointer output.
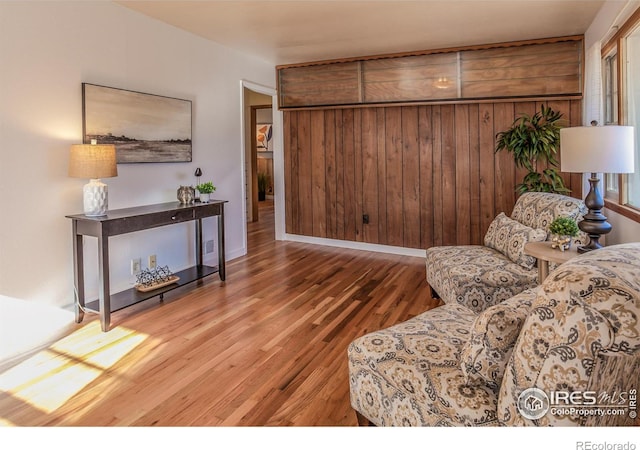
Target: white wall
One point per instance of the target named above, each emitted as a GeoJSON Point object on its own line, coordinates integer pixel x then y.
{"type": "Point", "coordinates": [612, 13]}
{"type": "Point", "coordinates": [47, 49]}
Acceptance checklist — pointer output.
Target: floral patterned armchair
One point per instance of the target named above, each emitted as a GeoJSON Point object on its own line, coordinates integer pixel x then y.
{"type": "Point", "coordinates": [479, 276]}
{"type": "Point", "coordinates": [579, 331]}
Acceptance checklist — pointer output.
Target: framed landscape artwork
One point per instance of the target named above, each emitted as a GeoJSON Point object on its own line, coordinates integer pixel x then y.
{"type": "Point", "coordinates": [143, 127]}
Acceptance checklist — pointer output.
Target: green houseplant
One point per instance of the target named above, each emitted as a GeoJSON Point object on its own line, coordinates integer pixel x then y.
{"type": "Point", "coordinates": [564, 229]}
{"type": "Point", "coordinates": [206, 189]}
{"type": "Point", "coordinates": [533, 141]}
{"type": "Point", "coordinates": [262, 186]}
{"type": "Point", "coordinates": [564, 226]}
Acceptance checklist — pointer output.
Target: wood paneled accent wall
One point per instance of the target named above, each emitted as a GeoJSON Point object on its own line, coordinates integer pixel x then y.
{"type": "Point", "coordinates": [529, 69]}
{"type": "Point", "coordinates": [424, 175]}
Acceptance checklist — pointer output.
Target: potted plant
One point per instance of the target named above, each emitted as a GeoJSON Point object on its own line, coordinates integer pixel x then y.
{"type": "Point", "coordinates": [533, 141]}
{"type": "Point", "coordinates": [205, 189]}
{"type": "Point", "coordinates": [563, 229]}
{"type": "Point", "coordinates": [262, 186]}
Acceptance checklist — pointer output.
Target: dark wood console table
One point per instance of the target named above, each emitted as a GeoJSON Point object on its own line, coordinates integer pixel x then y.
{"type": "Point", "coordinates": [128, 220]}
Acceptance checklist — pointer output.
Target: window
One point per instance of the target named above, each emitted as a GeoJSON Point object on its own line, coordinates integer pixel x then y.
{"type": "Point", "coordinates": [621, 78]}
{"type": "Point", "coordinates": [632, 78]}
{"type": "Point", "coordinates": [610, 81]}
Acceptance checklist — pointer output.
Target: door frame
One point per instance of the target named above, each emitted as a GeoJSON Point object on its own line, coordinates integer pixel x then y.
{"type": "Point", "coordinates": [278, 157]}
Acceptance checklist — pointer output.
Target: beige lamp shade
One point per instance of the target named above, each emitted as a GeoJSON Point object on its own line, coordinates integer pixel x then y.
{"type": "Point", "coordinates": [93, 161]}
{"type": "Point", "coordinates": [608, 149]}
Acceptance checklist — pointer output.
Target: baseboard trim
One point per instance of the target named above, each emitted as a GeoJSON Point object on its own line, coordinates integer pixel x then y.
{"type": "Point", "coordinates": [390, 249]}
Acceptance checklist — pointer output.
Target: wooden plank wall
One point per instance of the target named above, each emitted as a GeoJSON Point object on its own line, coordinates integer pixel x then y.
{"type": "Point", "coordinates": [424, 175]}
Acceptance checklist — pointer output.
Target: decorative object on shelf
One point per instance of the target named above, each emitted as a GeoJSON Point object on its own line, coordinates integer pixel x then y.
{"type": "Point", "coordinates": [264, 134]}
{"type": "Point", "coordinates": [262, 186]}
{"type": "Point", "coordinates": [93, 162]}
{"type": "Point", "coordinates": [148, 280]}
{"type": "Point", "coordinates": [206, 189]}
{"type": "Point", "coordinates": [143, 127]}
{"type": "Point", "coordinates": [594, 149]}
{"type": "Point", "coordinates": [533, 141]}
{"type": "Point", "coordinates": [198, 174]}
{"type": "Point", "coordinates": [563, 229]}
{"type": "Point", "coordinates": [186, 194]}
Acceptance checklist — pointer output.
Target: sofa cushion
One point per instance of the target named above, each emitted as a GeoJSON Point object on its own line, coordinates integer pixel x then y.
{"type": "Point", "coordinates": [475, 276]}
{"type": "Point", "coordinates": [493, 336]}
{"type": "Point", "coordinates": [587, 306]}
{"type": "Point", "coordinates": [509, 238]}
{"type": "Point", "coordinates": [409, 374]}
{"type": "Point", "coordinates": [538, 209]}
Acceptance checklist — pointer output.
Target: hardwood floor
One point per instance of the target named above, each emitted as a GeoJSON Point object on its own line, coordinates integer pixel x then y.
{"type": "Point", "coordinates": [268, 347]}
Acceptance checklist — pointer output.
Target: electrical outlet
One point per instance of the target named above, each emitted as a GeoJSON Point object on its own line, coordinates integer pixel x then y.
{"type": "Point", "coordinates": [136, 266]}
{"type": "Point", "coordinates": [208, 246]}
{"type": "Point", "coordinates": [152, 262]}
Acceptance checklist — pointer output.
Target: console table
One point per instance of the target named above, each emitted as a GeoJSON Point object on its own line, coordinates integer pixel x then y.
{"type": "Point", "coordinates": [128, 220]}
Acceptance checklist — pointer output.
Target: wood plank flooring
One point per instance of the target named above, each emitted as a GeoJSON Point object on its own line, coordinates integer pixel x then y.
{"type": "Point", "coordinates": [268, 347]}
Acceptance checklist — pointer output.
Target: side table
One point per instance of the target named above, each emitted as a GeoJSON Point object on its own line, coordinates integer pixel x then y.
{"type": "Point", "coordinates": [545, 254]}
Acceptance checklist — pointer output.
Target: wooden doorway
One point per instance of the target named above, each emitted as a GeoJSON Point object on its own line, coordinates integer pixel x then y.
{"type": "Point", "coordinates": [262, 185]}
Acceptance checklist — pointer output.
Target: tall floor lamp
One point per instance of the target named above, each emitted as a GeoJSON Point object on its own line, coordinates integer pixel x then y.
{"type": "Point", "coordinates": [594, 149]}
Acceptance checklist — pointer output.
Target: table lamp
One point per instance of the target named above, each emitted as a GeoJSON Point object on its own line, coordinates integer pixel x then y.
{"type": "Point", "coordinates": [594, 149]}
{"type": "Point", "coordinates": [93, 161]}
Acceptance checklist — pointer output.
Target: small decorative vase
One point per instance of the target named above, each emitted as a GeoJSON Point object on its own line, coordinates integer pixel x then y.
{"type": "Point", "coordinates": [562, 243]}
{"type": "Point", "coordinates": [186, 194]}
{"type": "Point", "coordinates": [204, 198]}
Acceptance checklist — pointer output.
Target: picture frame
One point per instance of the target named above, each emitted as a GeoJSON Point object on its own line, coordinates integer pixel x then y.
{"type": "Point", "coordinates": [264, 135]}
{"type": "Point", "coordinates": [145, 128]}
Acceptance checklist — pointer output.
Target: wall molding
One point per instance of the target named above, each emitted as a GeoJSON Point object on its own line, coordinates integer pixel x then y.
{"type": "Point", "coordinates": [379, 248]}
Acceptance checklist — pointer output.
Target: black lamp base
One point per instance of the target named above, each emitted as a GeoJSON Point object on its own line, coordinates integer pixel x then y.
{"type": "Point", "coordinates": [595, 223]}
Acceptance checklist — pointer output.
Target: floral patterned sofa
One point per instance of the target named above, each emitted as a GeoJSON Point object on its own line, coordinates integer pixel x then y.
{"type": "Point", "coordinates": [478, 276]}
{"type": "Point", "coordinates": [578, 331]}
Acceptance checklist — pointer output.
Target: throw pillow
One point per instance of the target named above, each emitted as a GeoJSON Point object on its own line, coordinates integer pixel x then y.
{"type": "Point", "coordinates": [494, 334]}
{"type": "Point", "coordinates": [509, 238]}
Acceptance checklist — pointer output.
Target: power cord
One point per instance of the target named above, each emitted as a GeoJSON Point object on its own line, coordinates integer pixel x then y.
{"type": "Point", "coordinates": [77, 302]}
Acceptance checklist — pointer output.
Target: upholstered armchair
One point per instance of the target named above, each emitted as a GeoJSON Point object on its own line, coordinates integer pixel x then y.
{"type": "Point", "coordinates": [579, 331]}
{"type": "Point", "coordinates": [479, 276]}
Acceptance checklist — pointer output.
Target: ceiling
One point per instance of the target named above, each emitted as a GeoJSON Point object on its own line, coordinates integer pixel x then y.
{"type": "Point", "coordinates": [293, 31]}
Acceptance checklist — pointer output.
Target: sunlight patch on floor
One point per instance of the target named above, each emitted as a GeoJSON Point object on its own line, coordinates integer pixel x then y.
{"type": "Point", "coordinates": [25, 326]}
{"type": "Point", "coordinates": [50, 378]}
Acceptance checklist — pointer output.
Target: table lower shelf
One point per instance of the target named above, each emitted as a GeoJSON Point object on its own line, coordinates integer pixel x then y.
{"type": "Point", "coordinates": [132, 296]}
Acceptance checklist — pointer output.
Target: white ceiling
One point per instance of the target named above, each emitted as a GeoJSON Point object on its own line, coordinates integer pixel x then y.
{"type": "Point", "coordinates": [284, 32]}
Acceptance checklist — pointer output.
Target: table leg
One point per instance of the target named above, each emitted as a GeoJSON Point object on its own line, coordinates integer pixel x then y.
{"type": "Point", "coordinates": [103, 282]}
{"type": "Point", "coordinates": [199, 242]}
{"type": "Point", "coordinates": [221, 257]}
{"type": "Point", "coordinates": [78, 272]}
{"type": "Point", "coordinates": [543, 270]}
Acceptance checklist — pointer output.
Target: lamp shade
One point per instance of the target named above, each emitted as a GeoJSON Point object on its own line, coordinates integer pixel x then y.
{"type": "Point", "coordinates": [93, 161]}
{"type": "Point", "coordinates": [608, 149]}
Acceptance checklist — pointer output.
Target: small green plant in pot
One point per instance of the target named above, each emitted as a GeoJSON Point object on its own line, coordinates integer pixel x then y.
{"type": "Point", "coordinates": [205, 189]}
{"type": "Point", "coordinates": [262, 186]}
{"type": "Point", "coordinates": [564, 229]}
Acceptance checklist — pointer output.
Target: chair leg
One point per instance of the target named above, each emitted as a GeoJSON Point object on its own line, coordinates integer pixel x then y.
{"type": "Point", "coordinates": [363, 421]}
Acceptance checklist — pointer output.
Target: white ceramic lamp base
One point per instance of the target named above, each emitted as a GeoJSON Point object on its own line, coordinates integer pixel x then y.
{"type": "Point", "coordinates": [95, 197]}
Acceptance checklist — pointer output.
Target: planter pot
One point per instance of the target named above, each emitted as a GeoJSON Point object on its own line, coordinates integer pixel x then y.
{"type": "Point", "coordinates": [562, 243]}
{"type": "Point", "coordinates": [204, 198]}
